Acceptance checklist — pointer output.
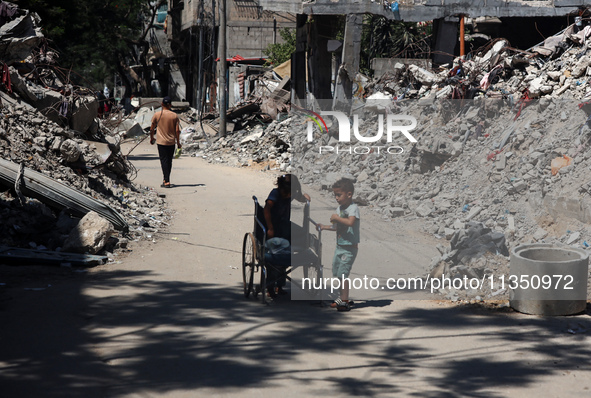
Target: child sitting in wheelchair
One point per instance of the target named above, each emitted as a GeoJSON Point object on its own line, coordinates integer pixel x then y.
{"type": "Point", "coordinates": [277, 213]}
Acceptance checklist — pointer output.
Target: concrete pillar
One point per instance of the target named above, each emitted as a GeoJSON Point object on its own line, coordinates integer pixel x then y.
{"type": "Point", "coordinates": [446, 40]}
{"type": "Point", "coordinates": [298, 62]}
{"type": "Point", "coordinates": [319, 59]}
{"type": "Point", "coordinates": [350, 59]}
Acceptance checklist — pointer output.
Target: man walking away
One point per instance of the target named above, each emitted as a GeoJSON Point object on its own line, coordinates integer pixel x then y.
{"type": "Point", "coordinates": [166, 125]}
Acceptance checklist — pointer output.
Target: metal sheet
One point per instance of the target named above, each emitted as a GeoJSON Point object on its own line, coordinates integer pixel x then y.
{"type": "Point", "coordinates": [18, 256]}
{"type": "Point", "coordinates": [55, 194]}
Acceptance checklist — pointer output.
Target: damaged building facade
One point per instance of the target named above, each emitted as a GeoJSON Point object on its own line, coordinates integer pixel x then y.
{"type": "Point", "coordinates": [317, 69]}
{"type": "Point", "coordinates": [193, 28]}
{"type": "Point", "coordinates": [313, 72]}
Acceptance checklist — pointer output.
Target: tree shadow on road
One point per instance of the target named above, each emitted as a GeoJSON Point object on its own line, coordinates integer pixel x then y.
{"type": "Point", "coordinates": [176, 335]}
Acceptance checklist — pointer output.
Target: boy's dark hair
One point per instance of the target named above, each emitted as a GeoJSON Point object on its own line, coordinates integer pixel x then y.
{"type": "Point", "coordinates": [345, 184]}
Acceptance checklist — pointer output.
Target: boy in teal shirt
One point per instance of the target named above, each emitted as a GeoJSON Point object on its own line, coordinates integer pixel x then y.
{"type": "Point", "coordinates": [346, 224]}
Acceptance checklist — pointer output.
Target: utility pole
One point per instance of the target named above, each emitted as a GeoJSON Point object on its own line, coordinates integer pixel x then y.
{"type": "Point", "coordinates": [222, 68]}
{"type": "Point", "coordinates": [199, 100]}
{"type": "Point", "coordinates": [462, 38]}
{"type": "Point", "coordinates": [274, 30]}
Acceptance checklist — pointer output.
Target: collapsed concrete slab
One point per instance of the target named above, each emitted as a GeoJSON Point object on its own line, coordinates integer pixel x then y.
{"type": "Point", "coordinates": [58, 195]}
{"type": "Point", "coordinates": [84, 110]}
{"type": "Point", "coordinates": [19, 37]}
{"type": "Point", "coordinates": [20, 256]}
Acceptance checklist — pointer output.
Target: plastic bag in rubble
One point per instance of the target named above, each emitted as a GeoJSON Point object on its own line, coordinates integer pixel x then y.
{"type": "Point", "coordinates": [560, 162]}
{"type": "Point", "coordinates": [396, 10]}
{"type": "Point", "coordinates": [186, 134]}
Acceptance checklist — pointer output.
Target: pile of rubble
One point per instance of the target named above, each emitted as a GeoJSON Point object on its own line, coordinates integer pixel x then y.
{"type": "Point", "coordinates": [96, 169]}
{"type": "Point", "coordinates": [483, 161]}
{"type": "Point", "coordinates": [556, 68]}
{"type": "Point", "coordinates": [265, 147]}
{"type": "Point", "coordinates": [474, 162]}
{"type": "Point", "coordinates": [49, 126]}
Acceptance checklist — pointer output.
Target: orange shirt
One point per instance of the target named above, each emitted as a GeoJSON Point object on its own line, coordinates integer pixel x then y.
{"type": "Point", "coordinates": [168, 127]}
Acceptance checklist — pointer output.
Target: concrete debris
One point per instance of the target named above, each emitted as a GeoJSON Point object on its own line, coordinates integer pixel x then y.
{"type": "Point", "coordinates": [135, 131]}
{"type": "Point", "coordinates": [424, 76]}
{"type": "Point", "coordinates": [144, 117]}
{"type": "Point", "coordinates": [84, 111]}
{"type": "Point", "coordinates": [20, 36]}
{"type": "Point", "coordinates": [267, 147]}
{"type": "Point", "coordinates": [70, 151]}
{"type": "Point", "coordinates": [19, 256]}
{"type": "Point", "coordinates": [50, 126]}
{"type": "Point", "coordinates": [90, 235]}
{"type": "Point", "coordinates": [473, 242]}
{"type": "Point", "coordinates": [55, 194]}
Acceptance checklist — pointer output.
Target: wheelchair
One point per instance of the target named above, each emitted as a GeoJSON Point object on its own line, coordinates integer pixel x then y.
{"type": "Point", "coordinates": [259, 273]}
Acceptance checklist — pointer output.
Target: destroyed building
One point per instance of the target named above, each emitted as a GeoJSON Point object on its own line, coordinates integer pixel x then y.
{"type": "Point", "coordinates": [59, 163]}
{"type": "Point", "coordinates": [192, 30]}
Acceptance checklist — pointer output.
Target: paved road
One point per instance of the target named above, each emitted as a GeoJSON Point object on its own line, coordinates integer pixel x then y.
{"type": "Point", "coordinates": [170, 320]}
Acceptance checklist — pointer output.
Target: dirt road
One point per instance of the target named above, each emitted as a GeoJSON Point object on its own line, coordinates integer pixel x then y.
{"type": "Point", "coordinates": [169, 320]}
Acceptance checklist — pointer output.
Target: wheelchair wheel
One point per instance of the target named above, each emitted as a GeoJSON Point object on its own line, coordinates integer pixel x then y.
{"type": "Point", "coordinates": [248, 262]}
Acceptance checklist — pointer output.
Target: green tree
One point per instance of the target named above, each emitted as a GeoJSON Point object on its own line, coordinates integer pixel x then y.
{"type": "Point", "coordinates": [383, 38]}
{"type": "Point", "coordinates": [97, 37]}
{"type": "Point", "coordinates": [281, 52]}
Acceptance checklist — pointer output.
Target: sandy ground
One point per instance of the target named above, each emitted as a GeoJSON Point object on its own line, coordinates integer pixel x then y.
{"type": "Point", "coordinates": [170, 319]}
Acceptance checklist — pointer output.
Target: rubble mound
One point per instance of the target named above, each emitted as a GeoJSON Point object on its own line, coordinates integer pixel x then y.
{"type": "Point", "coordinates": [96, 169]}
{"type": "Point", "coordinates": [50, 126]}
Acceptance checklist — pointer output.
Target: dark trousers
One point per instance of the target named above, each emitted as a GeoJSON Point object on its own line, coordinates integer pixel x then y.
{"type": "Point", "coordinates": [166, 153]}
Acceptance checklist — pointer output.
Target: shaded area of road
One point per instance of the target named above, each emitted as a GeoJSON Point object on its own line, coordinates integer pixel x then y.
{"type": "Point", "coordinates": [171, 337]}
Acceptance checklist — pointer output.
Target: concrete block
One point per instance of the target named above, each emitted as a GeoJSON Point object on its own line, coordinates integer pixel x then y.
{"type": "Point", "coordinates": [135, 131]}
{"type": "Point", "coordinates": [83, 113]}
{"type": "Point", "coordinates": [424, 209]}
{"type": "Point", "coordinates": [449, 233]}
{"type": "Point", "coordinates": [396, 212]}
{"type": "Point", "coordinates": [573, 238]}
{"type": "Point", "coordinates": [501, 162]}
{"type": "Point", "coordinates": [473, 213]}
{"type": "Point", "coordinates": [90, 235]}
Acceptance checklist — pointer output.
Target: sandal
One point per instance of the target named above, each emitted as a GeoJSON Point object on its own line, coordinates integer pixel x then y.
{"type": "Point", "coordinates": [165, 185]}
{"type": "Point", "coordinates": [344, 306]}
{"type": "Point", "coordinates": [338, 301]}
